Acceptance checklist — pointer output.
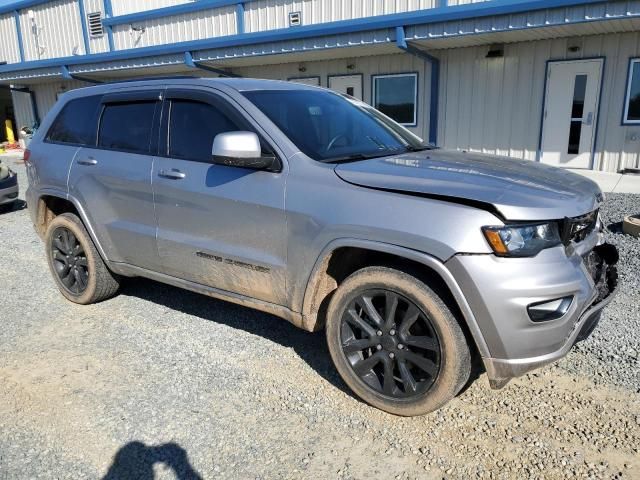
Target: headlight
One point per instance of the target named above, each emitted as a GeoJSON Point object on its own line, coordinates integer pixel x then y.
{"type": "Point", "coordinates": [522, 240]}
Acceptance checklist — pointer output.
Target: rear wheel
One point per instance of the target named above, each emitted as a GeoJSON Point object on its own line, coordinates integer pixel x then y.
{"type": "Point", "coordinates": [77, 268]}
{"type": "Point", "coordinates": [395, 343]}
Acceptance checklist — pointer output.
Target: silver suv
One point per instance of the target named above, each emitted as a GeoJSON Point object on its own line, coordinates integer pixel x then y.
{"type": "Point", "coordinates": [423, 266]}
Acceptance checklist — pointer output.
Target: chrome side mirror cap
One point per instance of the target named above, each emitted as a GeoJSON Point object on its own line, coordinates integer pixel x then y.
{"type": "Point", "coordinates": [243, 150]}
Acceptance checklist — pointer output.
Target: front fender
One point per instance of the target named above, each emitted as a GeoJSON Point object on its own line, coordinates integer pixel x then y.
{"type": "Point", "coordinates": [315, 282]}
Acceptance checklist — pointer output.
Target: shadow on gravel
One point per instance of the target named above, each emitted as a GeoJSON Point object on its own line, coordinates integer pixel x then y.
{"type": "Point", "coordinates": [136, 460]}
{"type": "Point", "coordinates": [311, 347]}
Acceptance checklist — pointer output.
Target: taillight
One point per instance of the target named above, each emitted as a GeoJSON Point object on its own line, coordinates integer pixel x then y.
{"type": "Point", "coordinates": [27, 155]}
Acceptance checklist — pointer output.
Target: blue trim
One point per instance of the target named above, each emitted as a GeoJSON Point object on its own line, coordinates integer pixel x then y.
{"type": "Point", "coordinates": [22, 4]}
{"type": "Point", "coordinates": [443, 3]}
{"type": "Point", "coordinates": [189, 62]}
{"type": "Point", "coordinates": [307, 31]}
{"type": "Point", "coordinates": [417, 93]}
{"type": "Point", "coordinates": [108, 13]}
{"type": "Point", "coordinates": [434, 98]}
{"type": "Point", "coordinates": [625, 122]}
{"type": "Point", "coordinates": [16, 16]}
{"type": "Point", "coordinates": [544, 102]}
{"type": "Point", "coordinates": [444, 13]}
{"type": "Point", "coordinates": [596, 130]}
{"type": "Point", "coordinates": [83, 23]}
{"type": "Point", "coordinates": [240, 17]}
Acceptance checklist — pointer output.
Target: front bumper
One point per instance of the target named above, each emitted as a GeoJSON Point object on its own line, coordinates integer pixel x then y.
{"type": "Point", "coordinates": [9, 189]}
{"type": "Point", "coordinates": [500, 289]}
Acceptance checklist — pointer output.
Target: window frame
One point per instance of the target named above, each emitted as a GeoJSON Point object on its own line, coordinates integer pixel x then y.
{"type": "Point", "coordinates": [135, 96]}
{"type": "Point", "coordinates": [216, 101]}
{"type": "Point", "coordinates": [98, 115]}
{"type": "Point", "coordinates": [416, 97]}
{"type": "Point", "coordinates": [627, 97]}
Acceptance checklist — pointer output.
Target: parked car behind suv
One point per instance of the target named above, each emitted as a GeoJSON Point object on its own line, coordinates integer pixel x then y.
{"type": "Point", "coordinates": [8, 186]}
{"type": "Point", "coordinates": [419, 263]}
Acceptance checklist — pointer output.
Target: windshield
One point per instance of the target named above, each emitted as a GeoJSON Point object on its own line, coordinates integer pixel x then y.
{"type": "Point", "coordinates": [329, 127]}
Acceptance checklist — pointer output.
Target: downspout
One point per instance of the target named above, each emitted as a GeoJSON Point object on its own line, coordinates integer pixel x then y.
{"type": "Point", "coordinates": [67, 75]}
{"type": "Point", "coordinates": [190, 62]}
{"type": "Point", "coordinates": [401, 43]}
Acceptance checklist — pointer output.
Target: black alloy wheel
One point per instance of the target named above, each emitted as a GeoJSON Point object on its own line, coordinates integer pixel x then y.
{"type": "Point", "coordinates": [70, 261]}
{"type": "Point", "coordinates": [390, 344]}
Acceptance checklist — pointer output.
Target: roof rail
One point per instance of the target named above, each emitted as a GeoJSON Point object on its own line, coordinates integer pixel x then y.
{"type": "Point", "coordinates": [164, 77]}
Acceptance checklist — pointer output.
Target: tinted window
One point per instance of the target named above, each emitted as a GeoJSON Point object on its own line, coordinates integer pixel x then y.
{"type": "Point", "coordinates": [192, 128]}
{"type": "Point", "coordinates": [633, 100]}
{"type": "Point", "coordinates": [127, 126]}
{"type": "Point", "coordinates": [77, 122]}
{"type": "Point", "coordinates": [327, 126]}
{"type": "Point", "coordinates": [396, 96]}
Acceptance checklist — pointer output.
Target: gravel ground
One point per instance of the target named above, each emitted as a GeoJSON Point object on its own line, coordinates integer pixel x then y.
{"type": "Point", "coordinates": [163, 383]}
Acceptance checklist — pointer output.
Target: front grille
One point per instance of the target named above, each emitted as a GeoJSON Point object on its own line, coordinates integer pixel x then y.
{"type": "Point", "coordinates": [578, 228]}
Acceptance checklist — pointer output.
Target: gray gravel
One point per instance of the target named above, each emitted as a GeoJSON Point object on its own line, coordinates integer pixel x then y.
{"type": "Point", "coordinates": [611, 355]}
{"type": "Point", "coordinates": [164, 383]}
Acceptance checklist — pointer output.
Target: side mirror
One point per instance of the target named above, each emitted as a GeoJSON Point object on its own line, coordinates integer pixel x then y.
{"type": "Point", "coordinates": [241, 149]}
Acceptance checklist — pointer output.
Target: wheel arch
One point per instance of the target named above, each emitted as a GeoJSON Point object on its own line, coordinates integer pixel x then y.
{"type": "Point", "coordinates": [51, 203]}
{"type": "Point", "coordinates": [322, 284]}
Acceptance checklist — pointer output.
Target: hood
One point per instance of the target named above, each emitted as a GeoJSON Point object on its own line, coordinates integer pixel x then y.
{"type": "Point", "coordinates": [519, 190]}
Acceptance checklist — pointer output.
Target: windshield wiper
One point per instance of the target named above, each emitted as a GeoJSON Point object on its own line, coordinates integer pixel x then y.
{"type": "Point", "coordinates": [422, 148]}
{"type": "Point", "coordinates": [351, 158]}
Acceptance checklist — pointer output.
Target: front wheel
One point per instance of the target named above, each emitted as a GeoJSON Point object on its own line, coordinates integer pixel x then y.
{"type": "Point", "coordinates": [395, 343]}
{"type": "Point", "coordinates": [76, 266]}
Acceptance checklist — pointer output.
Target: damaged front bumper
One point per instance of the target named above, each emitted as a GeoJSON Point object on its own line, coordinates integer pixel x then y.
{"type": "Point", "coordinates": [506, 288]}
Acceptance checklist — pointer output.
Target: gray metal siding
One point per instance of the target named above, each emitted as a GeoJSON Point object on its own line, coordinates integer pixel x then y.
{"type": "Point", "coordinates": [191, 26]}
{"type": "Point", "coordinates": [272, 14]}
{"type": "Point", "coordinates": [60, 31]}
{"type": "Point", "coordinates": [123, 7]}
{"type": "Point", "coordinates": [96, 44]}
{"type": "Point", "coordinates": [495, 105]}
{"type": "Point", "coordinates": [9, 51]}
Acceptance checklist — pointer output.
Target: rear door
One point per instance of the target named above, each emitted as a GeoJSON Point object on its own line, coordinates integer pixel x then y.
{"type": "Point", "coordinates": [112, 178]}
{"type": "Point", "coordinates": [219, 226]}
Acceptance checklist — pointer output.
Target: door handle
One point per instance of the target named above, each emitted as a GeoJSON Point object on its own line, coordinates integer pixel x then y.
{"type": "Point", "coordinates": [589, 120]}
{"type": "Point", "coordinates": [172, 174]}
{"type": "Point", "coordinates": [88, 162]}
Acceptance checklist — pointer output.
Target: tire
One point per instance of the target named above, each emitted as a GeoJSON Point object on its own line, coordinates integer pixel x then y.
{"type": "Point", "coordinates": [436, 336]}
{"type": "Point", "coordinates": [90, 281]}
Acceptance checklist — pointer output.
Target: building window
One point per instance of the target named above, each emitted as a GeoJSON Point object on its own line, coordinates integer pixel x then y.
{"type": "Point", "coordinates": [397, 97]}
{"type": "Point", "coordinates": [632, 100]}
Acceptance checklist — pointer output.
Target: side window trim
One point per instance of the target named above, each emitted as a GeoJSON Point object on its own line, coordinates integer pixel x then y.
{"type": "Point", "coordinates": [211, 98]}
{"type": "Point", "coordinates": [97, 117]}
{"type": "Point", "coordinates": [146, 96]}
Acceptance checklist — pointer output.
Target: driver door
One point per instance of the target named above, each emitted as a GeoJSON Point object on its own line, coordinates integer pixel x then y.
{"type": "Point", "coordinates": [219, 226]}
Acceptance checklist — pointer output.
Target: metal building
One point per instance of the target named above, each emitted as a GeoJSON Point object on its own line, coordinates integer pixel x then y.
{"type": "Point", "coordinates": [556, 81]}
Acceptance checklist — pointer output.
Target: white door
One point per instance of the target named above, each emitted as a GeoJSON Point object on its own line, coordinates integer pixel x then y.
{"type": "Point", "coordinates": [570, 112]}
{"type": "Point", "coordinates": [349, 84]}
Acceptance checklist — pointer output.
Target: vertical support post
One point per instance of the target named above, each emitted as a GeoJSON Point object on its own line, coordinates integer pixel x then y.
{"type": "Point", "coordinates": [401, 43]}
{"type": "Point", "coordinates": [240, 17]}
{"type": "Point", "coordinates": [108, 11]}
{"type": "Point", "coordinates": [16, 16]}
{"type": "Point", "coordinates": [83, 24]}
{"type": "Point", "coordinates": [443, 3]}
